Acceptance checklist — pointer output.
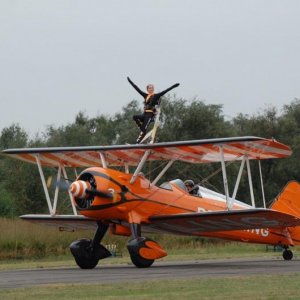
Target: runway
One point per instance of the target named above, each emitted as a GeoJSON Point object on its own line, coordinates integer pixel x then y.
{"type": "Point", "coordinates": [159, 270]}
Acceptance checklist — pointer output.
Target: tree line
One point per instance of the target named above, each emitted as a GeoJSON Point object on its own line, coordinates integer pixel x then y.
{"type": "Point", "coordinates": [21, 191]}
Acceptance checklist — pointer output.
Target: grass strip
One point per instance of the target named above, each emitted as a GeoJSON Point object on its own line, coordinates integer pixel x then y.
{"type": "Point", "coordinates": [237, 287]}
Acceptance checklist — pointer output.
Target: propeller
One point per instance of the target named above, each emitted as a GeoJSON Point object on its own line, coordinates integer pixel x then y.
{"type": "Point", "coordinates": [62, 184]}
{"type": "Point", "coordinates": [78, 188]}
{"type": "Point", "coordinates": [95, 192]}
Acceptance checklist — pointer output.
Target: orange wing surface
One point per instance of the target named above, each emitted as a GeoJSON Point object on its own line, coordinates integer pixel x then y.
{"type": "Point", "coordinates": [197, 223]}
{"type": "Point", "coordinates": [196, 151]}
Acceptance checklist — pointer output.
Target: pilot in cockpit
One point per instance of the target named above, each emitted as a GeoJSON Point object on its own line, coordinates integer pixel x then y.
{"type": "Point", "coordinates": [192, 188]}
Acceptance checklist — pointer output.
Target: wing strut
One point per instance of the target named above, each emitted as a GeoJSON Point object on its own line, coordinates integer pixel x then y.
{"type": "Point", "coordinates": [250, 181]}
{"type": "Point", "coordinates": [228, 202]}
{"type": "Point", "coordinates": [163, 171]}
{"type": "Point", "coordinates": [140, 166]}
{"type": "Point", "coordinates": [44, 184]}
{"type": "Point", "coordinates": [246, 159]}
{"type": "Point", "coordinates": [262, 184]}
{"type": "Point", "coordinates": [238, 178]}
{"type": "Point", "coordinates": [70, 195]}
{"type": "Point", "coordinates": [103, 160]}
{"type": "Point", "coordinates": [56, 191]}
{"type": "Point", "coordinates": [52, 207]}
{"type": "Point", "coordinates": [126, 166]}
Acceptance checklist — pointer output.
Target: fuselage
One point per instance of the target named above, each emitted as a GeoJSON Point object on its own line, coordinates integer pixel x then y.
{"type": "Point", "coordinates": [136, 202]}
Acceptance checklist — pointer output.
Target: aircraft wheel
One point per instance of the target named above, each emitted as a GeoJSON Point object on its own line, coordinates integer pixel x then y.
{"type": "Point", "coordinates": [86, 263]}
{"type": "Point", "coordinates": [134, 247]}
{"type": "Point", "coordinates": [141, 262]}
{"type": "Point", "coordinates": [287, 254]}
{"type": "Point", "coordinates": [83, 254]}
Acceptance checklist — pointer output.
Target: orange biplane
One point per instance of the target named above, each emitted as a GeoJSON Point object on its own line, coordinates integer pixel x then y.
{"type": "Point", "coordinates": [129, 204]}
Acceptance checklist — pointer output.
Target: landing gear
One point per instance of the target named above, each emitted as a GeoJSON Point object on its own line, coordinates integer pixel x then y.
{"type": "Point", "coordinates": [87, 252]}
{"type": "Point", "coordinates": [143, 251]}
{"type": "Point", "coordinates": [134, 246]}
{"type": "Point", "coordinates": [287, 254]}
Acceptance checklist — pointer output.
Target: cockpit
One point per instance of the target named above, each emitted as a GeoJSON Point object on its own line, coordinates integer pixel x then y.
{"type": "Point", "coordinates": [180, 184]}
{"type": "Point", "coordinates": [177, 182]}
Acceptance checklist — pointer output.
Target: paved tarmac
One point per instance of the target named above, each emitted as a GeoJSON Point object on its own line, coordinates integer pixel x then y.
{"type": "Point", "coordinates": [159, 270]}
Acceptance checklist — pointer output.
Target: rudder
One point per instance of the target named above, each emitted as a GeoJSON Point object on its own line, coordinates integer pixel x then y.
{"type": "Point", "coordinates": [288, 200]}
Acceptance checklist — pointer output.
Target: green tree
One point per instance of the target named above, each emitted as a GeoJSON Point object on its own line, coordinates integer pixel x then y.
{"type": "Point", "coordinates": [13, 137]}
{"type": "Point", "coordinates": [181, 120]}
{"type": "Point", "coordinates": [184, 120]}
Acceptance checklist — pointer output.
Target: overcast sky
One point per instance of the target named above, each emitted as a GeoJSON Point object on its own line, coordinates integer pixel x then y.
{"type": "Point", "coordinates": [59, 57]}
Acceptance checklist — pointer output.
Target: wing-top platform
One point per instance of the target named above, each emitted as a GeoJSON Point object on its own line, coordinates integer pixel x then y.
{"type": "Point", "coordinates": [195, 151]}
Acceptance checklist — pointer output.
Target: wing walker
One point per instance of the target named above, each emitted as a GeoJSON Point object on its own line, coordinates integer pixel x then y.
{"type": "Point", "coordinates": [127, 203]}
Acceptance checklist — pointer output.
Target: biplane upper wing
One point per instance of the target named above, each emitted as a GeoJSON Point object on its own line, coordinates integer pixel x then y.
{"type": "Point", "coordinates": [195, 151]}
{"type": "Point", "coordinates": [197, 223]}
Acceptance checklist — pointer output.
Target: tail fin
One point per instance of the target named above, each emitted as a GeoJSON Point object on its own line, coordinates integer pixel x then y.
{"type": "Point", "coordinates": [288, 200]}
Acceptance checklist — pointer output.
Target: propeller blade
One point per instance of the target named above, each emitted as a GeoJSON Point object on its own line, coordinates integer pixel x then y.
{"type": "Point", "coordinates": [62, 184]}
{"type": "Point", "coordinates": [94, 192]}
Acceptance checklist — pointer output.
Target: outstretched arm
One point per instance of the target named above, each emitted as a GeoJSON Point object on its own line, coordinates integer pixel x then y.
{"type": "Point", "coordinates": [137, 88]}
{"type": "Point", "coordinates": [169, 89]}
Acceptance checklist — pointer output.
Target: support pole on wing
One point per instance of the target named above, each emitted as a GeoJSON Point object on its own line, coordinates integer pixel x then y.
{"type": "Point", "coordinates": [250, 181]}
{"type": "Point", "coordinates": [56, 191]}
{"type": "Point", "coordinates": [228, 202]}
{"type": "Point", "coordinates": [238, 178]}
{"type": "Point", "coordinates": [262, 184]}
{"type": "Point", "coordinates": [52, 207]}
{"type": "Point", "coordinates": [140, 166]}
{"type": "Point", "coordinates": [70, 195]}
{"type": "Point", "coordinates": [163, 171]}
{"type": "Point", "coordinates": [126, 166]}
{"type": "Point", "coordinates": [152, 133]}
{"type": "Point", "coordinates": [103, 160]}
{"type": "Point", "coordinates": [44, 184]}
{"type": "Point", "coordinates": [155, 127]}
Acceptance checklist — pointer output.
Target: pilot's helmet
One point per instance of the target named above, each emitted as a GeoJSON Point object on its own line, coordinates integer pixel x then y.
{"type": "Point", "coordinates": [189, 183]}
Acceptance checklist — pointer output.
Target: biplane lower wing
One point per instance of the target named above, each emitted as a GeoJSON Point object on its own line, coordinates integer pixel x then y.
{"type": "Point", "coordinates": [197, 223]}
{"type": "Point", "coordinates": [63, 222]}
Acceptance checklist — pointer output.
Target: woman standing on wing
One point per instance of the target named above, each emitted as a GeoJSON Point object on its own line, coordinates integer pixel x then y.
{"type": "Point", "coordinates": [150, 100]}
